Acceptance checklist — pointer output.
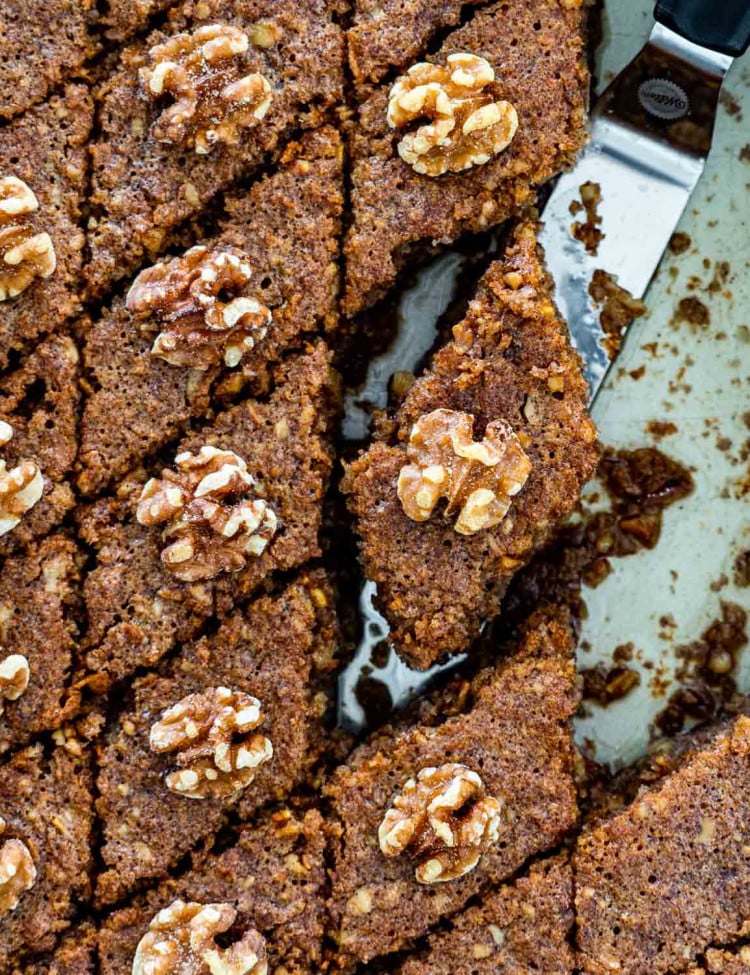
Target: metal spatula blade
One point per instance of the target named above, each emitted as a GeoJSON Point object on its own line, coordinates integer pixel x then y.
{"type": "Point", "coordinates": [650, 134]}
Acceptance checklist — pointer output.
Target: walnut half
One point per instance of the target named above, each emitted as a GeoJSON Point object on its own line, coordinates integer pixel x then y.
{"type": "Point", "coordinates": [17, 872]}
{"type": "Point", "coordinates": [446, 821]}
{"type": "Point", "coordinates": [182, 296]}
{"type": "Point", "coordinates": [212, 523]}
{"type": "Point", "coordinates": [24, 255]}
{"type": "Point", "coordinates": [465, 126]}
{"type": "Point", "coordinates": [20, 488]}
{"type": "Point", "coordinates": [14, 678]}
{"type": "Point", "coordinates": [213, 741]}
{"type": "Point", "coordinates": [478, 479]}
{"type": "Point", "coordinates": [214, 99]}
{"type": "Point", "coordinates": [182, 940]}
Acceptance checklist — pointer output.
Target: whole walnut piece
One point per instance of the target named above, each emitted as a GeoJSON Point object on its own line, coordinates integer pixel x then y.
{"type": "Point", "coordinates": [214, 100]}
{"type": "Point", "coordinates": [212, 523]}
{"type": "Point", "coordinates": [14, 678]}
{"type": "Point", "coordinates": [466, 126]}
{"type": "Point", "coordinates": [181, 940]}
{"type": "Point", "coordinates": [20, 488]}
{"type": "Point", "coordinates": [24, 255]}
{"type": "Point", "coordinates": [445, 820]}
{"type": "Point", "coordinates": [17, 872]}
{"type": "Point", "coordinates": [478, 479]}
{"type": "Point", "coordinates": [212, 738]}
{"type": "Point", "coordinates": [183, 296]}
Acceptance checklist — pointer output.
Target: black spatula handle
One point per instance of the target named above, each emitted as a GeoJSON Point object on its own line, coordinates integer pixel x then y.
{"type": "Point", "coordinates": [722, 25]}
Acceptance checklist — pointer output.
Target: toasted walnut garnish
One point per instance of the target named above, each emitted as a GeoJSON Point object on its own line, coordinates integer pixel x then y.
{"type": "Point", "coordinates": [24, 255]}
{"type": "Point", "coordinates": [212, 738]}
{"type": "Point", "coordinates": [181, 940]}
{"type": "Point", "coordinates": [20, 488]}
{"type": "Point", "coordinates": [477, 479]}
{"type": "Point", "coordinates": [183, 296]}
{"type": "Point", "coordinates": [213, 524]}
{"type": "Point", "coordinates": [466, 126]}
{"type": "Point", "coordinates": [17, 872]}
{"type": "Point", "coordinates": [446, 821]}
{"type": "Point", "coordinates": [14, 678]}
{"type": "Point", "coordinates": [214, 100]}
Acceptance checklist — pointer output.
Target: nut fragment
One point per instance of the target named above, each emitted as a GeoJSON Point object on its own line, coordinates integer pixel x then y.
{"type": "Point", "coordinates": [17, 872]}
{"type": "Point", "coordinates": [24, 255]}
{"type": "Point", "coordinates": [181, 940]}
{"type": "Point", "coordinates": [477, 479]}
{"type": "Point", "coordinates": [210, 736]}
{"type": "Point", "coordinates": [183, 295]}
{"type": "Point", "coordinates": [446, 821]}
{"type": "Point", "coordinates": [14, 678]}
{"type": "Point", "coordinates": [214, 100]}
{"type": "Point", "coordinates": [20, 488]}
{"type": "Point", "coordinates": [212, 523]}
{"type": "Point", "coordinates": [466, 126]}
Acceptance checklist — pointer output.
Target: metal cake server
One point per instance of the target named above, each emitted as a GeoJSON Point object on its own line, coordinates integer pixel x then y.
{"type": "Point", "coordinates": [650, 134]}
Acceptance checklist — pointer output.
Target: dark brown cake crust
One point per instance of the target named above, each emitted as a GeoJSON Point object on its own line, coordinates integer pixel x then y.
{"type": "Point", "coordinates": [42, 43]}
{"type": "Point", "coordinates": [279, 860]}
{"type": "Point", "coordinates": [515, 729]}
{"type": "Point", "coordinates": [287, 225]}
{"type": "Point", "coordinates": [48, 805]}
{"type": "Point", "coordinates": [542, 72]}
{"type": "Point", "coordinates": [435, 587]}
{"type": "Point", "coordinates": [40, 401]}
{"type": "Point", "coordinates": [390, 34]}
{"type": "Point", "coordinates": [143, 188]}
{"type": "Point", "coordinates": [46, 148]}
{"type": "Point", "coordinates": [519, 929]}
{"type": "Point", "coordinates": [38, 600]}
{"type": "Point", "coordinates": [670, 876]}
{"type": "Point", "coordinates": [136, 611]}
{"type": "Point", "coordinates": [280, 650]}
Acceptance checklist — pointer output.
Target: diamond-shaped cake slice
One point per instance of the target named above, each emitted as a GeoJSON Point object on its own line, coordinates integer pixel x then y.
{"type": "Point", "coordinates": [147, 175]}
{"type": "Point", "coordinates": [510, 363]}
{"type": "Point", "coordinates": [511, 728]}
{"type": "Point", "coordinates": [669, 877]}
{"type": "Point", "coordinates": [280, 651]}
{"type": "Point", "coordinates": [538, 55]}
{"type": "Point", "coordinates": [137, 607]}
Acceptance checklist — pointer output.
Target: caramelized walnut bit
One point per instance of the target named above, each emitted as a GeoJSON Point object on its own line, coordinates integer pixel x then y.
{"type": "Point", "coordinates": [24, 255]}
{"type": "Point", "coordinates": [182, 296]}
{"type": "Point", "coordinates": [212, 523]}
{"type": "Point", "coordinates": [20, 488]}
{"type": "Point", "coordinates": [181, 940]}
{"type": "Point", "coordinates": [618, 309]}
{"type": "Point", "coordinates": [477, 479]}
{"type": "Point", "coordinates": [210, 736]}
{"type": "Point", "coordinates": [14, 678]}
{"type": "Point", "coordinates": [17, 872]}
{"type": "Point", "coordinates": [213, 99]}
{"type": "Point", "coordinates": [446, 821]}
{"type": "Point", "coordinates": [466, 127]}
